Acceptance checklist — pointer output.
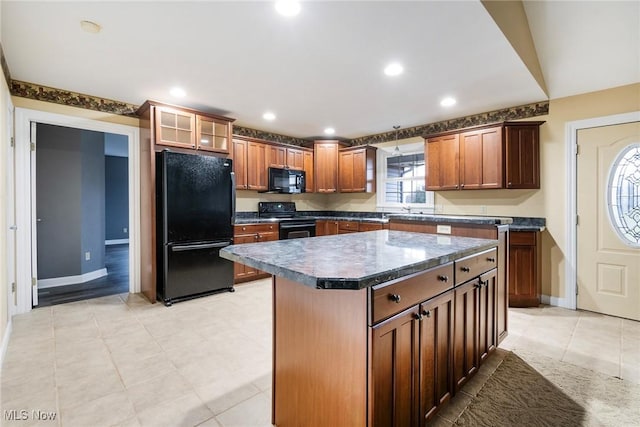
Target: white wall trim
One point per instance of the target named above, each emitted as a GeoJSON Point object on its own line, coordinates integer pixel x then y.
{"type": "Point", "coordinates": [571, 141]}
{"type": "Point", "coordinates": [5, 343]}
{"type": "Point", "coordinates": [24, 219]}
{"type": "Point", "coordinates": [116, 242]}
{"type": "Point", "coordinates": [555, 301]}
{"type": "Point", "coordinates": [71, 280]}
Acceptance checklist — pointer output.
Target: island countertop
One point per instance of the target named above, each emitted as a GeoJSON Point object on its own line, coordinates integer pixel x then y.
{"type": "Point", "coordinates": [355, 260]}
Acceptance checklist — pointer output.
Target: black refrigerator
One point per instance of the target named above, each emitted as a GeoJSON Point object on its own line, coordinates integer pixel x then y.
{"type": "Point", "coordinates": [195, 214]}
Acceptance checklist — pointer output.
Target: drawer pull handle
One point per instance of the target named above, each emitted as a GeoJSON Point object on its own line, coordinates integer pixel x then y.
{"type": "Point", "coordinates": [478, 285]}
{"type": "Point", "coordinates": [491, 259]}
{"type": "Point", "coordinates": [465, 269]}
{"type": "Point", "coordinates": [426, 313]}
{"type": "Point", "coordinates": [443, 278]}
{"type": "Point", "coordinates": [417, 316]}
{"type": "Point", "coordinates": [395, 298]}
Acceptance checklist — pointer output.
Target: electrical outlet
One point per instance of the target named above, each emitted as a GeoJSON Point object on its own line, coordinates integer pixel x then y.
{"type": "Point", "coordinates": [124, 230]}
{"type": "Point", "coordinates": [443, 229]}
{"type": "Point", "coordinates": [87, 256]}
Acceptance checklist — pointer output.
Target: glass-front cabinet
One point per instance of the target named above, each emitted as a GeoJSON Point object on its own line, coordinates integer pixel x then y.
{"type": "Point", "coordinates": [186, 129]}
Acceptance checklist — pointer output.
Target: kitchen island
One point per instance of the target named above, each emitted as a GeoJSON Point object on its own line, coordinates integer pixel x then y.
{"type": "Point", "coordinates": [375, 328]}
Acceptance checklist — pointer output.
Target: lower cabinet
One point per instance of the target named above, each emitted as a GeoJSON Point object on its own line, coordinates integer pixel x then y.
{"type": "Point", "coordinates": [465, 341]}
{"type": "Point", "coordinates": [524, 269]}
{"type": "Point", "coordinates": [252, 233]}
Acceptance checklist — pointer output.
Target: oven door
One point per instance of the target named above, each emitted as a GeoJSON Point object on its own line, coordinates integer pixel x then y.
{"type": "Point", "coordinates": [297, 230]}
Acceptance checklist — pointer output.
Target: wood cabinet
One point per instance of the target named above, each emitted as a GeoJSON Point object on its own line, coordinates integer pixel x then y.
{"type": "Point", "coordinates": [357, 170]}
{"type": "Point", "coordinates": [240, 163]}
{"type": "Point", "coordinates": [497, 232]}
{"type": "Point", "coordinates": [325, 154]}
{"type": "Point", "coordinates": [345, 227]}
{"type": "Point", "coordinates": [328, 227]}
{"type": "Point", "coordinates": [257, 166]}
{"type": "Point", "coordinates": [277, 156]}
{"type": "Point", "coordinates": [525, 266]}
{"type": "Point", "coordinates": [307, 166]}
{"type": "Point", "coordinates": [183, 128]}
{"type": "Point", "coordinates": [252, 233]}
{"type": "Point", "coordinates": [295, 159]}
{"type": "Point", "coordinates": [506, 155]}
{"type": "Point", "coordinates": [465, 354]}
{"type": "Point", "coordinates": [487, 341]}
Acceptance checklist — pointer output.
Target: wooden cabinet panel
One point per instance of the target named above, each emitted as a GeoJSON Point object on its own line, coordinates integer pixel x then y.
{"type": "Point", "coordinates": [257, 164]}
{"type": "Point", "coordinates": [277, 156]}
{"type": "Point", "coordinates": [309, 171]}
{"type": "Point", "coordinates": [252, 233]}
{"type": "Point", "coordinates": [240, 163]}
{"type": "Point", "coordinates": [394, 368]}
{"type": "Point", "coordinates": [212, 134]}
{"type": "Point", "coordinates": [474, 265]}
{"type": "Point", "coordinates": [442, 157]}
{"type": "Point", "coordinates": [481, 159]}
{"type": "Point", "coordinates": [522, 146]}
{"type": "Point", "coordinates": [524, 269]}
{"type": "Point", "coordinates": [243, 272]}
{"type": "Point", "coordinates": [465, 357]}
{"type": "Point", "coordinates": [371, 226]}
{"type": "Point", "coordinates": [326, 167]}
{"type": "Point", "coordinates": [357, 170]}
{"type": "Point", "coordinates": [486, 314]}
{"type": "Point", "coordinates": [295, 159]}
{"type": "Point", "coordinates": [436, 354]}
{"type": "Point", "coordinates": [326, 227]}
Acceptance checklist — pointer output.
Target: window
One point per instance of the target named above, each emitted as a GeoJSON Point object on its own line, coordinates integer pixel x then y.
{"type": "Point", "coordinates": [623, 195]}
{"type": "Point", "coordinates": [401, 180]}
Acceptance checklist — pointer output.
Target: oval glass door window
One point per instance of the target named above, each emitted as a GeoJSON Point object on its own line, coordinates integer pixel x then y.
{"type": "Point", "coordinates": [623, 195]}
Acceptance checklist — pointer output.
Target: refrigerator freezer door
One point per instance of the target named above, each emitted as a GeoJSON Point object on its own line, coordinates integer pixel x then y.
{"type": "Point", "coordinates": [195, 269]}
{"type": "Point", "coordinates": [197, 197]}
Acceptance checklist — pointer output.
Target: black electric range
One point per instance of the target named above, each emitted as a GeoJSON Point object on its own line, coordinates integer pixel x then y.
{"type": "Point", "coordinates": [291, 226]}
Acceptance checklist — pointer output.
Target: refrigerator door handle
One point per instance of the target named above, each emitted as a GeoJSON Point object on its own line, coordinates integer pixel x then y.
{"type": "Point", "coordinates": [233, 198]}
{"type": "Point", "coordinates": [178, 248]}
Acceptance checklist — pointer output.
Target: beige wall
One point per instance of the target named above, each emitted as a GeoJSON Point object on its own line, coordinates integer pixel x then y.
{"type": "Point", "coordinates": [4, 94]}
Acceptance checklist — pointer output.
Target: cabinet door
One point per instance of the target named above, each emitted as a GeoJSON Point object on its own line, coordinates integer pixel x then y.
{"type": "Point", "coordinates": [326, 167]}
{"type": "Point", "coordinates": [295, 159]}
{"type": "Point", "coordinates": [213, 135]}
{"type": "Point", "coordinates": [436, 354]}
{"type": "Point", "coordinates": [481, 159]}
{"type": "Point", "coordinates": [268, 236]}
{"type": "Point", "coordinates": [277, 156]}
{"type": "Point", "coordinates": [393, 371]}
{"type": "Point", "coordinates": [309, 172]}
{"type": "Point", "coordinates": [442, 155]}
{"type": "Point", "coordinates": [487, 314]}
{"type": "Point", "coordinates": [465, 338]}
{"type": "Point", "coordinates": [240, 163]}
{"type": "Point", "coordinates": [257, 158]}
{"type": "Point", "coordinates": [242, 271]}
{"type": "Point", "coordinates": [522, 150]}
{"type": "Point", "coordinates": [175, 128]}
{"type": "Point", "coordinates": [524, 282]}
{"type": "Point", "coordinates": [345, 172]}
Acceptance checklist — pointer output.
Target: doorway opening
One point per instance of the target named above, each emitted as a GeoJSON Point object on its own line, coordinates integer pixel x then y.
{"type": "Point", "coordinates": [82, 214]}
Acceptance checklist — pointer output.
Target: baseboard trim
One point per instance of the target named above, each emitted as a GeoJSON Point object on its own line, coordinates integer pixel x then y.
{"type": "Point", "coordinates": [116, 242]}
{"type": "Point", "coordinates": [555, 301]}
{"type": "Point", "coordinates": [71, 280]}
{"type": "Point", "coordinates": [5, 343]}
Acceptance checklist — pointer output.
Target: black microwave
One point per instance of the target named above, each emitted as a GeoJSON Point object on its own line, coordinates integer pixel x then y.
{"type": "Point", "coordinates": [286, 181]}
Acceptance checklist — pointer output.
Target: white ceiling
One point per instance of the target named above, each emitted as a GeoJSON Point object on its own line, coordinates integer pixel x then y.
{"type": "Point", "coordinates": [323, 67]}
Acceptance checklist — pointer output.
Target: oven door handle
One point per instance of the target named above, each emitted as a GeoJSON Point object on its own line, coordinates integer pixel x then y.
{"type": "Point", "coordinates": [291, 226]}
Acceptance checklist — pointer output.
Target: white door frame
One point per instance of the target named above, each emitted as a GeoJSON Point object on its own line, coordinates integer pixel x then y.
{"type": "Point", "coordinates": [11, 211]}
{"type": "Point", "coordinates": [571, 139]}
{"type": "Point", "coordinates": [25, 178]}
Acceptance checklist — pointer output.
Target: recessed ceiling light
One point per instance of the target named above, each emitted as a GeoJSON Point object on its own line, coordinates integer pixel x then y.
{"type": "Point", "coordinates": [393, 69]}
{"type": "Point", "coordinates": [269, 116]}
{"type": "Point", "coordinates": [90, 27]}
{"type": "Point", "coordinates": [448, 101]}
{"type": "Point", "coordinates": [178, 92]}
{"type": "Point", "coordinates": [288, 7]}
{"type": "Point", "coordinates": [329, 131]}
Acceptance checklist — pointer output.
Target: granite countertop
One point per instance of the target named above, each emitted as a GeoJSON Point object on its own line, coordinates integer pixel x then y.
{"type": "Point", "coordinates": [459, 219]}
{"type": "Point", "coordinates": [528, 224]}
{"type": "Point", "coordinates": [356, 260]}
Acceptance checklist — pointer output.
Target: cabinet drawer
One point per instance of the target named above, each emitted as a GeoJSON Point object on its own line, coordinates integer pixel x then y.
{"type": "Point", "coordinates": [389, 299]}
{"type": "Point", "coordinates": [348, 225]}
{"type": "Point", "coordinates": [474, 265]}
{"type": "Point", "coordinates": [522, 238]}
{"type": "Point", "coordinates": [254, 228]}
{"type": "Point", "coordinates": [370, 226]}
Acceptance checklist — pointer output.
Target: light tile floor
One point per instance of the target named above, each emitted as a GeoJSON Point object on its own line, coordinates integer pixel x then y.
{"type": "Point", "coordinates": [120, 361]}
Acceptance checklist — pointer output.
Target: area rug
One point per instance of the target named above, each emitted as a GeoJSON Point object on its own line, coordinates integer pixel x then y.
{"type": "Point", "coordinates": [533, 390]}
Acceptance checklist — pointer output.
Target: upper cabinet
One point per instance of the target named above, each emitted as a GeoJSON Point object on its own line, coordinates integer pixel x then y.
{"type": "Point", "coordinates": [240, 163]}
{"type": "Point", "coordinates": [184, 128]}
{"type": "Point", "coordinates": [277, 156]}
{"type": "Point", "coordinates": [500, 156]}
{"type": "Point", "coordinates": [326, 166]}
{"type": "Point", "coordinates": [357, 170]}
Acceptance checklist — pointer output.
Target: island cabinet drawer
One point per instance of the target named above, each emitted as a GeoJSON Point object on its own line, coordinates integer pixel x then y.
{"type": "Point", "coordinates": [254, 228]}
{"type": "Point", "coordinates": [474, 265]}
{"type": "Point", "coordinates": [392, 298]}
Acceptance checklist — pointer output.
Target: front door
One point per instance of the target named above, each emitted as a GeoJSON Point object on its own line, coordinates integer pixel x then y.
{"type": "Point", "coordinates": [608, 258]}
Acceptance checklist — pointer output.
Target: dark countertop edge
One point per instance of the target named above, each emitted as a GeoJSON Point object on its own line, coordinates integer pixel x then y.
{"type": "Point", "coordinates": [513, 227]}
{"type": "Point", "coordinates": [361, 283]}
{"type": "Point", "coordinates": [452, 219]}
{"type": "Point", "coordinates": [243, 221]}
